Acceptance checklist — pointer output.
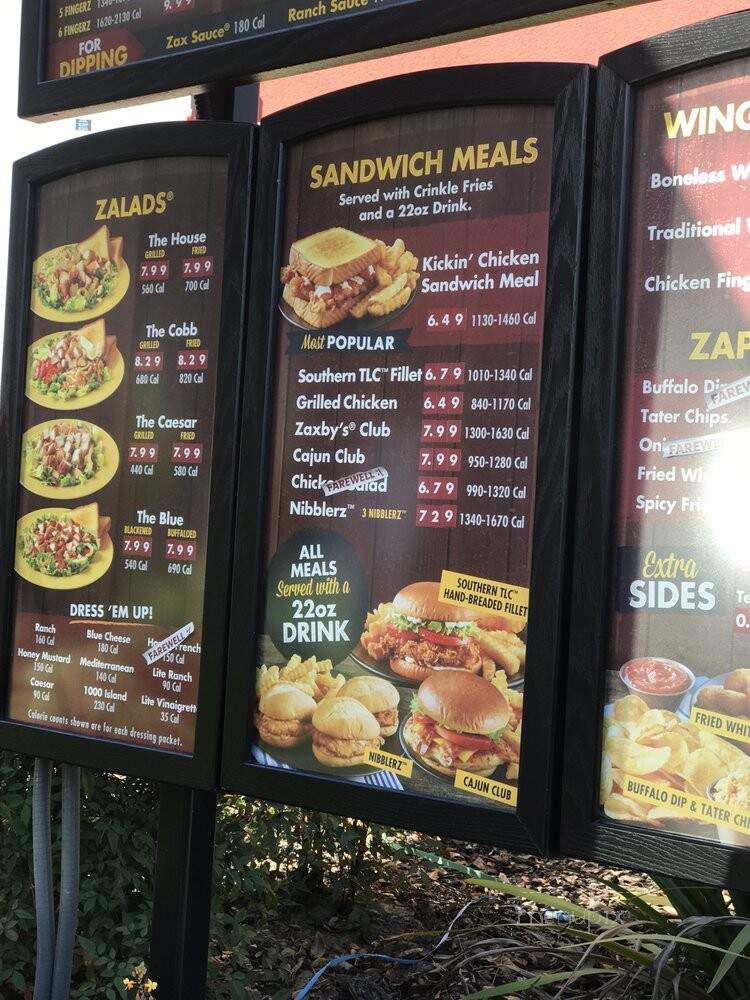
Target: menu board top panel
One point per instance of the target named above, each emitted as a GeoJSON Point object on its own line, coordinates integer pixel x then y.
{"type": "Point", "coordinates": [122, 450]}
{"type": "Point", "coordinates": [76, 56]}
{"type": "Point", "coordinates": [401, 632]}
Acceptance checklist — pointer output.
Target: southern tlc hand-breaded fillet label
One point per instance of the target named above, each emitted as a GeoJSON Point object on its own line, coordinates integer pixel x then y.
{"type": "Point", "coordinates": [409, 325]}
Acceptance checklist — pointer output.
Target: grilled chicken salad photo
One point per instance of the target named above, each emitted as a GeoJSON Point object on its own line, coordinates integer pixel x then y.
{"type": "Point", "coordinates": [84, 279]}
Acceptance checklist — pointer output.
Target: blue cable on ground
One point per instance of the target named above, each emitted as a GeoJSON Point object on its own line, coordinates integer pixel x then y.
{"type": "Point", "coordinates": [341, 959]}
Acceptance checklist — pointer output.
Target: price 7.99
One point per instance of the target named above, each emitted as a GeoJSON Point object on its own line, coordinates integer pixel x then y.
{"type": "Point", "coordinates": [198, 267]}
{"type": "Point", "coordinates": [441, 430]}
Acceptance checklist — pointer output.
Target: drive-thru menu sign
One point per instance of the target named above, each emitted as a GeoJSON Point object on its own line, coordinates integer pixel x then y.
{"type": "Point", "coordinates": [410, 318]}
{"type": "Point", "coordinates": [83, 53]}
{"type": "Point", "coordinates": [659, 676]}
{"type": "Point", "coordinates": [122, 352]}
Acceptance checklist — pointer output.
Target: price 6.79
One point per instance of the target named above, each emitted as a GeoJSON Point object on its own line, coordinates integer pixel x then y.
{"type": "Point", "coordinates": [441, 430]}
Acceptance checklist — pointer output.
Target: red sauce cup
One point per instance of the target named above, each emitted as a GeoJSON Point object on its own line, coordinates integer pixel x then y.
{"type": "Point", "coordinates": [660, 682]}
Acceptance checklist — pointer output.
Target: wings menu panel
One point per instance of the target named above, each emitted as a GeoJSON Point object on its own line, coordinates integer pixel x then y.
{"type": "Point", "coordinates": [677, 717]}
{"type": "Point", "coordinates": [123, 349]}
{"type": "Point", "coordinates": [411, 314]}
{"type": "Point", "coordinates": [84, 36]}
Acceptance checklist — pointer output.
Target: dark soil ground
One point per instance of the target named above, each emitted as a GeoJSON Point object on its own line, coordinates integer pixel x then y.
{"type": "Point", "coordinates": [497, 940]}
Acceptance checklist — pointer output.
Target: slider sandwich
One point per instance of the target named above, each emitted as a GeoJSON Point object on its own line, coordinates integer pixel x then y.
{"type": "Point", "coordinates": [343, 732]}
{"type": "Point", "coordinates": [378, 696]}
{"type": "Point", "coordinates": [284, 716]}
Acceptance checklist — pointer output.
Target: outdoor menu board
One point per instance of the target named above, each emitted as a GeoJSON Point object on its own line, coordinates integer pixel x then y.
{"type": "Point", "coordinates": [78, 54]}
{"type": "Point", "coordinates": [677, 715]}
{"type": "Point", "coordinates": [410, 311]}
{"type": "Point", "coordinates": [85, 37]}
{"type": "Point", "coordinates": [125, 396]}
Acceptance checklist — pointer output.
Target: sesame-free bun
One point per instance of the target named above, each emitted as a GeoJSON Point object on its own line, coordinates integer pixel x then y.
{"type": "Point", "coordinates": [345, 719]}
{"type": "Point", "coordinates": [421, 600]}
{"type": "Point", "coordinates": [464, 702]}
{"type": "Point", "coordinates": [287, 703]}
{"type": "Point", "coordinates": [375, 693]}
{"type": "Point", "coordinates": [283, 716]}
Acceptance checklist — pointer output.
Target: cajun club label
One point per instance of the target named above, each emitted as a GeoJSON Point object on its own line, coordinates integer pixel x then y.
{"type": "Point", "coordinates": [410, 317]}
{"type": "Point", "coordinates": [90, 36]}
{"type": "Point", "coordinates": [120, 384]}
{"type": "Point", "coordinates": [676, 750]}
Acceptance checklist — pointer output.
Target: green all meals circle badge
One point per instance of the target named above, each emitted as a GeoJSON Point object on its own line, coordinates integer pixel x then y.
{"type": "Point", "coordinates": [316, 602]}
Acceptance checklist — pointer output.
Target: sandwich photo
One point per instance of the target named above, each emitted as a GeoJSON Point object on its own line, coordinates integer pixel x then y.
{"type": "Point", "coordinates": [62, 544]}
{"type": "Point", "coordinates": [343, 732]}
{"type": "Point", "coordinates": [67, 458]}
{"type": "Point", "coordinates": [84, 278]}
{"type": "Point", "coordinates": [461, 721]}
{"type": "Point", "coordinates": [73, 365]}
{"type": "Point", "coordinates": [418, 634]}
{"type": "Point", "coordinates": [378, 696]}
{"type": "Point", "coordinates": [284, 716]}
{"type": "Point", "coordinates": [337, 273]}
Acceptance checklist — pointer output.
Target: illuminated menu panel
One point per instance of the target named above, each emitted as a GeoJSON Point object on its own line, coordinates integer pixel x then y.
{"type": "Point", "coordinates": [86, 36]}
{"type": "Point", "coordinates": [677, 715]}
{"type": "Point", "coordinates": [411, 319]}
{"type": "Point", "coordinates": [123, 350]}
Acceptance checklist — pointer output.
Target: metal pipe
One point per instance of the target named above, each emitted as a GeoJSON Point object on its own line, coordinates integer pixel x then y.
{"type": "Point", "coordinates": [70, 866]}
{"type": "Point", "coordinates": [44, 900]}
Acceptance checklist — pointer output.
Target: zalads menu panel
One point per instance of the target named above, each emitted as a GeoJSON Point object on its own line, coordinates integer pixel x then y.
{"type": "Point", "coordinates": [123, 350]}
{"type": "Point", "coordinates": [404, 443]}
{"type": "Point", "coordinates": [85, 36]}
{"type": "Point", "coordinates": [677, 715]}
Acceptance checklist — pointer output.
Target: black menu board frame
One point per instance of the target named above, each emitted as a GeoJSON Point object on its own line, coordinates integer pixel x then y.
{"type": "Point", "coordinates": [584, 832]}
{"type": "Point", "coordinates": [564, 87]}
{"type": "Point", "coordinates": [234, 143]}
{"type": "Point", "coordinates": [310, 44]}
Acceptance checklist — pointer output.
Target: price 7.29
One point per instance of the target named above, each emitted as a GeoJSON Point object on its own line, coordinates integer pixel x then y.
{"type": "Point", "coordinates": [436, 517]}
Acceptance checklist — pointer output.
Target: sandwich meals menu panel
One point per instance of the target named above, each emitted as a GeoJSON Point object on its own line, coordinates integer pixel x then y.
{"type": "Point", "coordinates": [85, 36]}
{"type": "Point", "coordinates": [120, 379]}
{"type": "Point", "coordinates": [410, 322]}
{"type": "Point", "coordinates": [677, 715]}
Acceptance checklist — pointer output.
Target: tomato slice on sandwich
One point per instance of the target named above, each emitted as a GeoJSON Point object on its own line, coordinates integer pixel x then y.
{"type": "Point", "coordinates": [451, 641]}
{"type": "Point", "coordinates": [465, 740]}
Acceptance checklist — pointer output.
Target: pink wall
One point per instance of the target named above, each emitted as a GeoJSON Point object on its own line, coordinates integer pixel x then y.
{"type": "Point", "coordinates": [581, 39]}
